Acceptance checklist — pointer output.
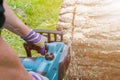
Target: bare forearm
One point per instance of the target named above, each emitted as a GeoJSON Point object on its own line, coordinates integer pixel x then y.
{"type": "Point", "coordinates": [14, 24]}
{"type": "Point", "coordinates": [10, 66]}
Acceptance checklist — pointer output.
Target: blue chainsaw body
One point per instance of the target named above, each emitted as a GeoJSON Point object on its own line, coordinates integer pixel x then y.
{"type": "Point", "coordinates": [54, 69]}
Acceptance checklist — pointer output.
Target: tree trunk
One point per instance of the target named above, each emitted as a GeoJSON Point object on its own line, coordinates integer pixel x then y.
{"type": "Point", "coordinates": [93, 27]}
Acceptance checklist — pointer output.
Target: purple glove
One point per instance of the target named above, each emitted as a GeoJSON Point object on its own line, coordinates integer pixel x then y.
{"type": "Point", "coordinates": [37, 76]}
{"type": "Point", "coordinates": [36, 39]}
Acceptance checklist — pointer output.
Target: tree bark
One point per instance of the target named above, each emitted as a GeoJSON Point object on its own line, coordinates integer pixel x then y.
{"type": "Point", "coordinates": [93, 27]}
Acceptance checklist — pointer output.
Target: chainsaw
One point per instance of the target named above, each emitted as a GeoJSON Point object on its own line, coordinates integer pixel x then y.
{"type": "Point", "coordinates": [55, 62]}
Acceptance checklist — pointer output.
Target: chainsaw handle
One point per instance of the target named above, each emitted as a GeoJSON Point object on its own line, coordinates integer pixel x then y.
{"type": "Point", "coordinates": [29, 47]}
{"type": "Point", "coordinates": [52, 36]}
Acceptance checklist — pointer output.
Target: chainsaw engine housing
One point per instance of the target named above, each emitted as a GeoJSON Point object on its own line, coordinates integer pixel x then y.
{"type": "Point", "coordinates": [54, 69]}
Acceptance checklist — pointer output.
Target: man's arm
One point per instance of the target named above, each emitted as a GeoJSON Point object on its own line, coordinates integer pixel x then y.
{"type": "Point", "coordinates": [10, 66]}
{"type": "Point", "coordinates": [13, 23]}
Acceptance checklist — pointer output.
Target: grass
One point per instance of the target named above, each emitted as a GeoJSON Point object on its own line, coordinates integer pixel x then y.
{"type": "Point", "coordinates": [37, 14]}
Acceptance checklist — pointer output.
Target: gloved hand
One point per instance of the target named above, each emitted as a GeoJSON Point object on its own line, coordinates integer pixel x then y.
{"type": "Point", "coordinates": [37, 76]}
{"type": "Point", "coordinates": [36, 39]}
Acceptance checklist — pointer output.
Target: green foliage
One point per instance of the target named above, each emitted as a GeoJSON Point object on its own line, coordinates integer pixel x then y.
{"type": "Point", "coordinates": [37, 14]}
